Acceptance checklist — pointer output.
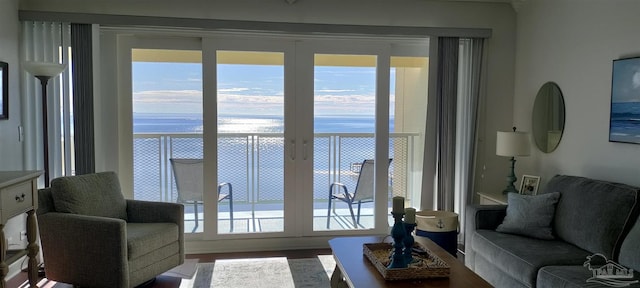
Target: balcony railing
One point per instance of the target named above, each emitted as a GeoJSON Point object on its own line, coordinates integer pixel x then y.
{"type": "Point", "coordinates": [254, 163]}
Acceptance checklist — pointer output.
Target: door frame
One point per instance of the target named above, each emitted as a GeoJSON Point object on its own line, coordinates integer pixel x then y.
{"type": "Point", "coordinates": [305, 52]}
{"type": "Point", "coordinates": [299, 51]}
{"type": "Point", "coordinates": [210, 115]}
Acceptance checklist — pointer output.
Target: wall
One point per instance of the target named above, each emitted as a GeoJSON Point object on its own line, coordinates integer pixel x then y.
{"type": "Point", "coordinates": [10, 147]}
{"type": "Point", "coordinates": [573, 44]}
{"type": "Point", "coordinates": [11, 151]}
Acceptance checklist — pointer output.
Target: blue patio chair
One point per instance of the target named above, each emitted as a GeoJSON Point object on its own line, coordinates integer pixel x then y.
{"type": "Point", "coordinates": [363, 192]}
{"type": "Point", "coordinates": [189, 175]}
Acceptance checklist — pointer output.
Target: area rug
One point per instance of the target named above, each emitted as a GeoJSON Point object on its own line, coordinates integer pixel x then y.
{"type": "Point", "coordinates": [276, 272]}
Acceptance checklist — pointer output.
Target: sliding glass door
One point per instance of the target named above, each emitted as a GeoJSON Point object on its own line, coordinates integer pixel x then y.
{"type": "Point", "coordinates": [344, 116]}
{"type": "Point", "coordinates": [288, 136]}
{"type": "Point", "coordinates": [250, 138]}
{"type": "Point", "coordinates": [369, 115]}
{"type": "Point", "coordinates": [167, 124]}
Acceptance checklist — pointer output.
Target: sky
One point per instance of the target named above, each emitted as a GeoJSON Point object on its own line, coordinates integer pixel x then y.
{"type": "Point", "coordinates": [249, 89]}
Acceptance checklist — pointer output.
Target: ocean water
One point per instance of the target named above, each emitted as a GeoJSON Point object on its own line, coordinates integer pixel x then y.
{"type": "Point", "coordinates": [192, 123]}
{"type": "Point", "coordinates": [625, 122]}
{"type": "Point", "coordinates": [239, 156]}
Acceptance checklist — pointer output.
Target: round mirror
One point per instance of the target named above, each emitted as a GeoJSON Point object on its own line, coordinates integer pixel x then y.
{"type": "Point", "coordinates": [548, 117]}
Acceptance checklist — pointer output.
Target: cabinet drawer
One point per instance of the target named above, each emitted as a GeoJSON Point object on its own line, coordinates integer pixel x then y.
{"type": "Point", "coordinates": [16, 199]}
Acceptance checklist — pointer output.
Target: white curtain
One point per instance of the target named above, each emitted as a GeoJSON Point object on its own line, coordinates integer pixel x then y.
{"type": "Point", "coordinates": [469, 72]}
{"type": "Point", "coordinates": [43, 42]}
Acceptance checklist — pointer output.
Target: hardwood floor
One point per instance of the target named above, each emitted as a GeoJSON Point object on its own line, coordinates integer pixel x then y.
{"type": "Point", "coordinates": [20, 280]}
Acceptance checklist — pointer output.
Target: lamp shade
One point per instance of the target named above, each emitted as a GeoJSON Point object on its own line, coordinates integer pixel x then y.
{"type": "Point", "coordinates": [515, 143]}
{"type": "Point", "coordinates": [48, 69]}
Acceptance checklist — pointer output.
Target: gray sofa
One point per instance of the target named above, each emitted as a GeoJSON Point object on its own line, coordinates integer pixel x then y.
{"type": "Point", "coordinates": [591, 216]}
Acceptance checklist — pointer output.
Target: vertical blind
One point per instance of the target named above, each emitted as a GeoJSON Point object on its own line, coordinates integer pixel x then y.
{"type": "Point", "coordinates": [47, 42]}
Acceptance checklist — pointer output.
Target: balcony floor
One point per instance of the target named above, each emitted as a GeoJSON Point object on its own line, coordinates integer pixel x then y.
{"type": "Point", "coordinates": [273, 221]}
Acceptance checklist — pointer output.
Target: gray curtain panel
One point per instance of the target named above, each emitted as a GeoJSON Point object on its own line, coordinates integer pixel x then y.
{"type": "Point", "coordinates": [446, 102]}
{"type": "Point", "coordinates": [82, 69]}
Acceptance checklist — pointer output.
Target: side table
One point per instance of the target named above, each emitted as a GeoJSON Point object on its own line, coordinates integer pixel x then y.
{"type": "Point", "coordinates": [492, 198]}
{"type": "Point", "coordinates": [19, 194]}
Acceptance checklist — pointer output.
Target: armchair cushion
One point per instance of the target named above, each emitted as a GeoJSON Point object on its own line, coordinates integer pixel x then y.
{"type": "Point", "coordinates": [91, 194]}
{"type": "Point", "coordinates": [143, 238]}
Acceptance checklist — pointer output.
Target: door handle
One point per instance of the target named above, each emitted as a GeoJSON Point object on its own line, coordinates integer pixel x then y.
{"type": "Point", "coordinates": [304, 150]}
{"type": "Point", "coordinates": [292, 150]}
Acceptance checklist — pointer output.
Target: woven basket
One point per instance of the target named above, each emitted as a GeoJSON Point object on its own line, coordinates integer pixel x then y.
{"type": "Point", "coordinates": [426, 266]}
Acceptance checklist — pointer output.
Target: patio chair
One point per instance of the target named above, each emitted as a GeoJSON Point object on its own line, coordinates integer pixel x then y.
{"type": "Point", "coordinates": [361, 194]}
{"type": "Point", "coordinates": [189, 175]}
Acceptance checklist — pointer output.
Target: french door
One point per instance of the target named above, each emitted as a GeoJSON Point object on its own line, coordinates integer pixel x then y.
{"type": "Point", "coordinates": [277, 122]}
{"type": "Point", "coordinates": [248, 102]}
{"type": "Point", "coordinates": [347, 105]}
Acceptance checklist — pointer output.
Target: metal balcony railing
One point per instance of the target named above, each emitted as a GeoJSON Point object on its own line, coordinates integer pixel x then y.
{"type": "Point", "coordinates": [254, 163]}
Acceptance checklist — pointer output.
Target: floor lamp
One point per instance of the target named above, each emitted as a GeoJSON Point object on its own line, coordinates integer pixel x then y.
{"type": "Point", "coordinates": [512, 144]}
{"type": "Point", "coordinates": [44, 71]}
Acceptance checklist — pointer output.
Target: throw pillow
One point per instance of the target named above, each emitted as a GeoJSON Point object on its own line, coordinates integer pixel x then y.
{"type": "Point", "coordinates": [530, 215]}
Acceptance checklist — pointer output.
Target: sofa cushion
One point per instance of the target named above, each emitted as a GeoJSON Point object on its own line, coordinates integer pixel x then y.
{"type": "Point", "coordinates": [90, 194]}
{"type": "Point", "coordinates": [592, 214]}
{"type": "Point", "coordinates": [143, 238]}
{"type": "Point", "coordinates": [521, 257]}
{"type": "Point", "coordinates": [630, 250]}
{"type": "Point", "coordinates": [490, 273]}
{"type": "Point", "coordinates": [573, 276]}
{"type": "Point", "coordinates": [530, 215]}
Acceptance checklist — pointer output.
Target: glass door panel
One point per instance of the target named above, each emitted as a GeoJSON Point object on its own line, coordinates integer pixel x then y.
{"type": "Point", "coordinates": [167, 124]}
{"type": "Point", "coordinates": [344, 126]}
{"type": "Point", "coordinates": [250, 101]}
{"type": "Point", "coordinates": [407, 120]}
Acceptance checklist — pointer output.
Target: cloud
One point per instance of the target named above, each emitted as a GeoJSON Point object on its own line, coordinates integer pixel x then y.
{"type": "Point", "coordinates": [168, 96]}
{"type": "Point", "coordinates": [355, 99]}
{"type": "Point", "coordinates": [334, 90]}
{"type": "Point", "coordinates": [233, 89]}
{"type": "Point", "coordinates": [258, 103]}
{"type": "Point", "coordinates": [635, 80]}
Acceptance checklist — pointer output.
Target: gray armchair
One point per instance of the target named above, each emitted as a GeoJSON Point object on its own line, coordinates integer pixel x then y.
{"type": "Point", "coordinates": [91, 236]}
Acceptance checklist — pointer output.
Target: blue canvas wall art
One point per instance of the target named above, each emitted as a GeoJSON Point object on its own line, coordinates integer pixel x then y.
{"type": "Point", "coordinates": [624, 122]}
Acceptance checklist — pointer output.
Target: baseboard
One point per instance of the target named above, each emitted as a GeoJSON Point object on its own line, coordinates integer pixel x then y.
{"type": "Point", "coordinates": [16, 267]}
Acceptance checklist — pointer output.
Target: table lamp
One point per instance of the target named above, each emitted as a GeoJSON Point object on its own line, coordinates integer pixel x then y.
{"type": "Point", "coordinates": [512, 144]}
{"type": "Point", "coordinates": [44, 71]}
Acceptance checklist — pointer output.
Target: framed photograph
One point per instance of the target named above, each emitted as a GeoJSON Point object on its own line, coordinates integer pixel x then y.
{"type": "Point", "coordinates": [4, 89]}
{"type": "Point", "coordinates": [624, 120]}
{"type": "Point", "coordinates": [529, 185]}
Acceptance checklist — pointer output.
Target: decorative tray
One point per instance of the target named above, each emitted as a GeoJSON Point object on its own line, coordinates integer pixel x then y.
{"type": "Point", "coordinates": [425, 264]}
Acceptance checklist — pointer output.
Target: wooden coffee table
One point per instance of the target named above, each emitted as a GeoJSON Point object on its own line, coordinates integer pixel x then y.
{"type": "Point", "coordinates": [353, 269]}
